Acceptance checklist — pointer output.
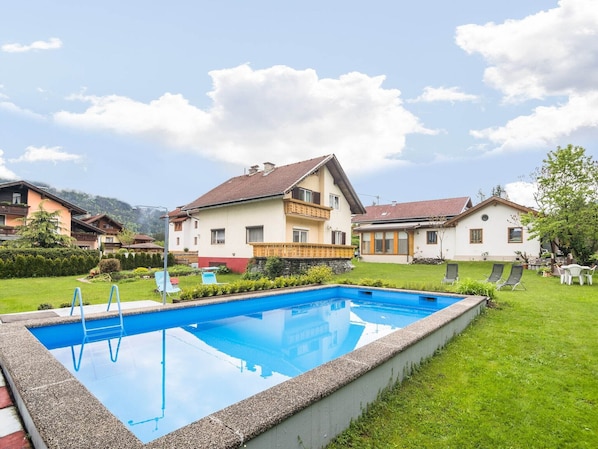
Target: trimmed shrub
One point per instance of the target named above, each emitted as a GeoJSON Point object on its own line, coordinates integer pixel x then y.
{"type": "Point", "coordinates": [109, 265]}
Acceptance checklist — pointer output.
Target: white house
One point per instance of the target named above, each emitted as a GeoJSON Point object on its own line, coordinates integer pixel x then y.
{"type": "Point", "coordinates": [300, 210]}
{"type": "Point", "coordinates": [449, 228]}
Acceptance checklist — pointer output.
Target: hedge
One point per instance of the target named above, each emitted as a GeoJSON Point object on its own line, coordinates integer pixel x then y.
{"type": "Point", "coordinates": [46, 262]}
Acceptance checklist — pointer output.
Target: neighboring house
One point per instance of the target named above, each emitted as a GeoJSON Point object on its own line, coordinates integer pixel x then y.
{"type": "Point", "coordinates": [20, 199]}
{"type": "Point", "coordinates": [449, 228]}
{"type": "Point", "coordinates": [109, 241]}
{"type": "Point", "coordinates": [144, 243]}
{"type": "Point", "coordinates": [300, 210]}
{"type": "Point", "coordinates": [86, 235]}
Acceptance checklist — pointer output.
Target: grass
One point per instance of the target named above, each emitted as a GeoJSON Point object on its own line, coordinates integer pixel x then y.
{"type": "Point", "coordinates": [523, 375]}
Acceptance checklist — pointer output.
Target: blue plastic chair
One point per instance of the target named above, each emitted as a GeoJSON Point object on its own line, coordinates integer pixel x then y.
{"type": "Point", "coordinates": [170, 289]}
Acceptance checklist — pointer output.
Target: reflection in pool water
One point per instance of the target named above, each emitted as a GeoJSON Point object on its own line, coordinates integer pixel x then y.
{"type": "Point", "coordinates": [157, 379]}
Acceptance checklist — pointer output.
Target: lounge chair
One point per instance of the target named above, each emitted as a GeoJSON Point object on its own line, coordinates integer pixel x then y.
{"type": "Point", "coordinates": [209, 277]}
{"type": "Point", "coordinates": [170, 289]}
{"type": "Point", "coordinates": [452, 273]}
{"type": "Point", "coordinates": [496, 275]}
{"type": "Point", "coordinates": [514, 279]}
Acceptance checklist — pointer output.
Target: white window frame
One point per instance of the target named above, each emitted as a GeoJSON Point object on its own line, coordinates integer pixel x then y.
{"type": "Point", "coordinates": [218, 236]}
{"type": "Point", "coordinates": [334, 201]}
{"type": "Point", "coordinates": [249, 230]}
{"type": "Point", "coordinates": [300, 235]}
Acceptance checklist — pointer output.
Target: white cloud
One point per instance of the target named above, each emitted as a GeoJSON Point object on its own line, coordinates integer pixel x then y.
{"type": "Point", "coordinates": [13, 108]}
{"type": "Point", "coordinates": [451, 94]}
{"type": "Point", "coordinates": [279, 113]}
{"type": "Point", "coordinates": [45, 154]}
{"type": "Point", "coordinates": [52, 44]}
{"type": "Point", "coordinates": [549, 55]}
{"type": "Point", "coordinates": [5, 172]}
{"type": "Point", "coordinates": [546, 125]}
{"type": "Point", "coordinates": [521, 192]}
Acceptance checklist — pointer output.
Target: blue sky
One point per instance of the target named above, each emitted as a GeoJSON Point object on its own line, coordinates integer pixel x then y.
{"type": "Point", "coordinates": [158, 102]}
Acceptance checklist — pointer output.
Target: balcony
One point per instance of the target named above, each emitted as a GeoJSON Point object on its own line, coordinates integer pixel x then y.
{"type": "Point", "coordinates": [19, 210]}
{"type": "Point", "coordinates": [306, 210]}
{"type": "Point", "coordinates": [302, 251]}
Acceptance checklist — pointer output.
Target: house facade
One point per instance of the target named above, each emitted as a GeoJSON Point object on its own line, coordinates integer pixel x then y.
{"type": "Point", "coordinates": [300, 210]}
{"type": "Point", "coordinates": [450, 228]}
{"type": "Point", "coordinates": [108, 239]}
{"type": "Point", "coordinates": [20, 199]}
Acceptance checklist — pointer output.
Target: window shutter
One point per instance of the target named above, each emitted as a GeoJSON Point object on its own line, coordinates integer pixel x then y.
{"type": "Point", "coordinates": [344, 238]}
{"type": "Point", "coordinates": [332, 238]}
{"type": "Point", "coordinates": [295, 193]}
{"type": "Point", "coordinates": [316, 197]}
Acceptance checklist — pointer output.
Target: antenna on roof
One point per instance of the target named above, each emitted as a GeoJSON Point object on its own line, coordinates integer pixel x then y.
{"type": "Point", "coordinates": [377, 202]}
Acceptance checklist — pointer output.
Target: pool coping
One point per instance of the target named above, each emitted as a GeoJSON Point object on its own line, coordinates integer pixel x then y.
{"type": "Point", "coordinates": [59, 412]}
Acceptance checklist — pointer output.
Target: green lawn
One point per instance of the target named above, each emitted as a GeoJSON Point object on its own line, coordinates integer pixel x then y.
{"type": "Point", "coordinates": [523, 375]}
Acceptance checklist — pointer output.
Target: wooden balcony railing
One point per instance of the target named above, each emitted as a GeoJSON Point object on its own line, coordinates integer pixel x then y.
{"type": "Point", "coordinates": [302, 250]}
{"type": "Point", "coordinates": [14, 209]}
{"type": "Point", "coordinates": [306, 210]}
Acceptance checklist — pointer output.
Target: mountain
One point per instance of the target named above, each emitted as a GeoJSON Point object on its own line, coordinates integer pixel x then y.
{"type": "Point", "coordinates": [143, 221]}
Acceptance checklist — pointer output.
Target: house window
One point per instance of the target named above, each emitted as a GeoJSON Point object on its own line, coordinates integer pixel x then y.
{"type": "Point", "coordinates": [195, 241]}
{"type": "Point", "coordinates": [178, 241]}
{"type": "Point", "coordinates": [334, 201]}
{"type": "Point", "coordinates": [515, 235]}
{"type": "Point", "coordinates": [432, 237]}
{"type": "Point", "coordinates": [195, 223]}
{"type": "Point", "coordinates": [16, 198]}
{"type": "Point", "coordinates": [403, 242]}
{"type": "Point", "coordinates": [299, 193]}
{"type": "Point", "coordinates": [475, 236]}
{"type": "Point", "coordinates": [254, 234]}
{"type": "Point", "coordinates": [178, 226]}
{"type": "Point", "coordinates": [339, 238]}
{"type": "Point", "coordinates": [217, 236]}
{"type": "Point", "coordinates": [300, 235]}
{"type": "Point", "coordinates": [109, 239]}
{"type": "Point", "coordinates": [366, 243]}
{"type": "Point", "coordinates": [2, 220]}
{"type": "Point", "coordinates": [384, 242]}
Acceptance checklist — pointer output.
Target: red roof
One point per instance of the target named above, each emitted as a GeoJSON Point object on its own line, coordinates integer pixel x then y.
{"type": "Point", "coordinates": [274, 182]}
{"type": "Point", "coordinates": [417, 210]}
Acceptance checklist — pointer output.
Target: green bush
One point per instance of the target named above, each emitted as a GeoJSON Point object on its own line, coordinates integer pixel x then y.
{"type": "Point", "coordinates": [480, 288]}
{"type": "Point", "coordinates": [45, 306]}
{"type": "Point", "coordinates": [109, 266]}
{"type": "Point", "coordinates": [274, 267]}
{"type": "Point", "coordinates": [319, 274]}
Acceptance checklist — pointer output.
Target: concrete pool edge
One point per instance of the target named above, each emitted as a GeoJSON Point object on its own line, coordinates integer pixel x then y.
{"type": "Point", "coordinates": [307, 411]}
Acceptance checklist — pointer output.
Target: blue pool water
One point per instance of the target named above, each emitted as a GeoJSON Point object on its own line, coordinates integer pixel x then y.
{"type": "Point", "coordinates": [170, 368]}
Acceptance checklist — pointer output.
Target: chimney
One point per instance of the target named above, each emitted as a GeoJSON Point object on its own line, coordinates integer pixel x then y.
{"type": "Point", "coordinates": [268, 167]}
{"type": "Point", "coordinates": [253, 169]}
{"type": "Point", "coordinates": [394, 203]}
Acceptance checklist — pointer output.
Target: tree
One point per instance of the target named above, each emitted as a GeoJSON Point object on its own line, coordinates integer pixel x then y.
{"type": "Point", "coordinates": [567, 199]}
{"type": "Point", "coordinates": [42, 230]}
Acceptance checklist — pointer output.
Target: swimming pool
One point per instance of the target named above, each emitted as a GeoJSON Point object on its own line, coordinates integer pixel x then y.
{"type": "Point", "coordinates": [304, 411]}
{"type": "Point", "coordinates": [164, 372]}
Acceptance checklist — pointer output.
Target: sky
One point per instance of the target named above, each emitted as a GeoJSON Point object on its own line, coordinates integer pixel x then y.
{"type": "Point", "coordinates": [156, 103]}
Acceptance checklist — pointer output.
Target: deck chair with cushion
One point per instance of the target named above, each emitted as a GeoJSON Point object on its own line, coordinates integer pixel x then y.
{"type": "Point", "coordinates": [496, 275]}
{"type": "Point", "coordinates": [170, 289]}
{"type": "Point", "coordinates": [514, 279]}
{"type": "Point", "coordinates": [208, 277]}
{"type": "Point", "coordinates": [452, 273]}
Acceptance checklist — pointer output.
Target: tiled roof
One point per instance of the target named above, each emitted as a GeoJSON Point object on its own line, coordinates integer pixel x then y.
{"type": "Point", "coordinates": [417, 210]}
{"type": "Point", "coordinates": [493, 200]}
{"type": "Point", "coordinates": [274, 183]}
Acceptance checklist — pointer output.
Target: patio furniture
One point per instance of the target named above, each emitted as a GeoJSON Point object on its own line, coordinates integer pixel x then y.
{"type": "Point", "coordinates": [563, 275]}
{"type": "Point", "coordinates": [514, 279]}
{"type": "Point", "coordinates": [574, 271]}
{"type": "Point", "coordinates": [496, 274]}
{"type": "Point", "coordinates": [452, 273]}
{"type": "Point", "coordinates": [170, 289]}
{"type": "Point", "coordinates": [588, 273]}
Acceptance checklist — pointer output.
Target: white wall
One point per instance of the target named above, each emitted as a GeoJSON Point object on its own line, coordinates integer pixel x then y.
{"type": "Point", "coordinates": [495, 235]}
{"type": "Point", "coordinates": [445, 243]}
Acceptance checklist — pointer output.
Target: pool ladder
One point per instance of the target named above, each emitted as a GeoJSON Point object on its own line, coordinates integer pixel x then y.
{"type": "Point", "coordinates": [89, 331]}
{"type": "Point", "coordinates": [100, 332]}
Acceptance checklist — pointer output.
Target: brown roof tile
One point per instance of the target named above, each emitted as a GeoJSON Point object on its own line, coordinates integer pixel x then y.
{"type": "Point", "coordinates": [447, 207]}
{"type": "Point", "coordinates": [273, 183]}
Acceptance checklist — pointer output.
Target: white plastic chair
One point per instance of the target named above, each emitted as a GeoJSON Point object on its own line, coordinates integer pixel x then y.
{"type": "Point", "coordinates": [563, 274]}
{"type": "Point", "coordinates": [574, 270]}
{"type": "Point", "coordinates": [588, 274]}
